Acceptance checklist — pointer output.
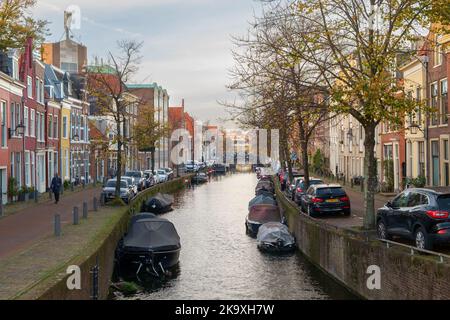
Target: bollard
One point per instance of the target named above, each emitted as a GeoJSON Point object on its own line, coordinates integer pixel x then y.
{"type": "Point", "coordinates": [36, 196]}
{"type": "Point", "coordinates": [95, 204]}
{"type": "Point", "coordinates": [102, 200]}
{"type": "Point", "coordinates": [71, 186]}
{"type": "Point", "coordinates": [57, 225]}
{"type": "Point", "coordinates": [85, 210]}
{"type": "Point", "coordinates": [362, 184]}
{"type": "Point", "coordinates": [75, 216]}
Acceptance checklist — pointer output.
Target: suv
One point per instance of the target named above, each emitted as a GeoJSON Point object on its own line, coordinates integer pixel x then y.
{"type": "Point", "coordinates": [301, 188]}
{"type": "Point", "coordinates": [421, 215]}
{"type": "Point", "coordinates": [325, 198]}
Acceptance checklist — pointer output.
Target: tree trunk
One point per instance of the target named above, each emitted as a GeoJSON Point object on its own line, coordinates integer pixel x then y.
{"type": "Point", "coordinates": [305, 160]}
{"type": "Point", "coordinates": [152, 154]}
{"type": "Point", "coordinates": [119, 160]}
{"type": "Point", "coordinates": [370, 172]}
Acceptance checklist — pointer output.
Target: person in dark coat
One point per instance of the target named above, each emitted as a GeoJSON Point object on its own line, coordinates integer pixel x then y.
{"type": "Point", "coordinates": [56, 187]}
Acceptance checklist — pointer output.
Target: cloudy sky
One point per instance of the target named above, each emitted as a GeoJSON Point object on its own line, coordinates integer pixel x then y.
{"type": "Point", "coordinates": [187, 43]}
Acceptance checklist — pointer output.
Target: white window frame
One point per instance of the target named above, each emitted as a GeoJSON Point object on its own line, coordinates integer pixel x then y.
{"type": "Point", "coordinates": [30, 87]}
{"type": "Point", "coordinates": [32, 123]}
{"type": "Point", "coordinates": [26, 121]}
{"type": "Point", "coordinates": [4, 124]}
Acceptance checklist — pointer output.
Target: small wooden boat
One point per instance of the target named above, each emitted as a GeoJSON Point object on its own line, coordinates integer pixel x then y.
{"type": "Point", "coordinates": [259, 215]}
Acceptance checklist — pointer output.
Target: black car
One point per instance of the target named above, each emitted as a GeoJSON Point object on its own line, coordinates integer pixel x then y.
{"type": "Point", "coordinates": [301, 187]}
{"type": "Point", "coordinates": [421, 215]}
{"type": "Point", "coordinates": [325, 199]}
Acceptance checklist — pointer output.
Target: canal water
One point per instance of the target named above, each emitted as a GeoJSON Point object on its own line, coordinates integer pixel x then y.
{"type": "Point", "coordinates": [219, 261]}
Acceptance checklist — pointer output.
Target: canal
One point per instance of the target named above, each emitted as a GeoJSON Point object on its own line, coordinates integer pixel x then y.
{"type": "Point", "coordinates": [219, 261]}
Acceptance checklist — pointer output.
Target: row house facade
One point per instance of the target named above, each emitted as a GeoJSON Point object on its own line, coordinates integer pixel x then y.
{"type": "Point", "coordinates": [155, 97]}
{"type": "Point", "coordinates": [419, 147]}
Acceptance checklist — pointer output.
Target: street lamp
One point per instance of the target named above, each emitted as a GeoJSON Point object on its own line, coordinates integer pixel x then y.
{"type": "Point", "coordinates": [414, 128]}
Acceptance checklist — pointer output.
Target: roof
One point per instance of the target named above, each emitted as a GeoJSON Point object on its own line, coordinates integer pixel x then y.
{"type": "Point", "coordinates": [104, 69]}
{"type": "Point", "coordinates": [320, 186]}
{"type": "Point", "coordinates": [153, 85]}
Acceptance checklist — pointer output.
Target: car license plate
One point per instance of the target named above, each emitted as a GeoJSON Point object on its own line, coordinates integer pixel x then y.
{"type": "Point", "coordinates": [332, 200]}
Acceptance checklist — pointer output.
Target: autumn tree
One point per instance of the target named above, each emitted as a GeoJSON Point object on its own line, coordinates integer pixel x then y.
{"type": "Point", "coordinates": [17, 25]}
{"type": "Point", "coordinates": [148, 131]}
{"type": "Point", "coordinates": [277, 83]}
{"type": "Point", "coordinates": [111, 98]}
{"type": "Point", "coordinates": [356, 45]}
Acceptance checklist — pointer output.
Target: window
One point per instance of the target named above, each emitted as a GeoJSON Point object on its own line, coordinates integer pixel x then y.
{"type": "Point", "coordinates": [3, 124]}
{"type": "Point", "coordinates": [42, 92]}
{"type": "Point", "coordinates": [401, 201]}
{"type": "Point", "coordinates": [29, 87]}
{"type": "Point", "coordinates": [27, 169]}
{"type": "Point", "coordinates": [444, 101]}
{"type": "Point", "coordinates": [32, 123]}
{"type": "Point", "coordinates": [55, 162]}
{"type": "Point", "coordinates": [50, 126]}
{"type": "Point", "coordinates": [33, 170]}
{"type": "Point", "coordinates": [437, 52]}
{"type": "Point", "coordinates": [25, 121]}
{"type": "Point", "coordinates": [422, 158]}
{"type": "Point", "coordinates": [42, 127]}
{"type": "Point", "coordinates": [55, 127]}
{"type": "Point", "coordinates": [38, 90]}
{"type": "Point", "coordinates": [38, 125]}
{"type": "Point", "coordinates": [13, 116]}
{"type": "Point", "coordinates": [64, 127]}
{"type": "Point", "coordinates": [434, 103]}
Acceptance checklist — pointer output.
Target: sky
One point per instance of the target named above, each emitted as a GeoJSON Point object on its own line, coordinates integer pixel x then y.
{"type": "Point", "coordinates": [187, 43]}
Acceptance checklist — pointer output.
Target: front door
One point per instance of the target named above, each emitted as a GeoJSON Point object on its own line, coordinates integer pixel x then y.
{"type": "Point", "coordinates": [435, 162]}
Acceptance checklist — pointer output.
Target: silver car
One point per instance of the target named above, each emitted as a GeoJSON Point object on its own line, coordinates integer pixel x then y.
{"type": "Point", "coordinates": [126, 190]}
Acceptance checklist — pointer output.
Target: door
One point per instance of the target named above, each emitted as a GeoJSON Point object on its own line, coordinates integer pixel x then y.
{"type": "Point", "coordinates": [4, 185]}
{"type": "Point", "coordinates": [435, 162]}
{"type": "Point", "coordinates": [395, 216]}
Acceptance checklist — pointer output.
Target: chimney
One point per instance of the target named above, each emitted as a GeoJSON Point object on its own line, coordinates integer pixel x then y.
{"type": "Point", "coordinates": [182, 103]}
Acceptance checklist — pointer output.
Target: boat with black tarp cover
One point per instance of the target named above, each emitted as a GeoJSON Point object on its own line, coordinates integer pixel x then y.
{"type": "Point", "coordinates": [161, 203]}
{"type": "Point", "coordinates": [151, 243]}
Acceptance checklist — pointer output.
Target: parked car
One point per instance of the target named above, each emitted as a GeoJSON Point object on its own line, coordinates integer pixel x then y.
{"type": "Point", "coordinates": [131, 183]}
{"type": "Point", "coordinates": [191, 166]}
{"type": "Point", "coordinates": [150, 179]}
{"type": "Point", "coordinates": [325, 199]}
{"type": "Point", "coordinates": [421, 215]}
{"type": "Point", "coordinates": [139, 178]}
{"type": "Point", "coordinates": [162, 175]}
{"type": "Point", "coordinates": [301, 187]}
{"type": "Point", "coordinates": [292, 185]}
{"type": "Point", "coordinates": [169, 173]}
{"type": "Point", "coordinates": [126, 190]}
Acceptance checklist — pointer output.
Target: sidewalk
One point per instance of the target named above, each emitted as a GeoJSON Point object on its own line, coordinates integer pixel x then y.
{"type": "Point", "coordinates": [25, 226]}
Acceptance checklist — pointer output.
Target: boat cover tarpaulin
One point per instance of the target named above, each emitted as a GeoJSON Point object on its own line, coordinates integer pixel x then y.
{"type": "Point", "coordinates": [141, 216]}
{"type": "Point", "coordinates": [262, 199]}
{"type": "Point", "coordinates": [265, 185]}
{"type": "Point", "coordinates": [159, 202]}
{"type": "Point", "coordinates": [264, 213]}
{"type": "Point", "coordinates": [154, 234]}
{"type": "Point", "coordinates": [274, 232]}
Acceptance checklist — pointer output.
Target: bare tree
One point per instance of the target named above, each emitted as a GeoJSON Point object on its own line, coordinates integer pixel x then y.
{"type": "Point", "coordinates": [111, 97]}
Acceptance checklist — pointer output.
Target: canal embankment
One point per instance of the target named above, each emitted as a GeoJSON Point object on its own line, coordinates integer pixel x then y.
{"type": "Point", "coordinates": [349, 256]}
{"type": "Point", "coordinates": [40, 271]}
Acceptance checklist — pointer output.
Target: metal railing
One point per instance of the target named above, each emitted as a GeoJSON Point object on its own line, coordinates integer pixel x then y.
{"type": "Point", "coordinates": [414, 250]}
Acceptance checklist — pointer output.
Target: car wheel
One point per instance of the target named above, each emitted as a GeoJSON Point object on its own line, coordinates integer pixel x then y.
{"type": "Point", "coordinates": [382, 231]}
{"type": "Point", "coordinates": [310, 211]}
{"type": "Point", "coordinates": [422, 239]}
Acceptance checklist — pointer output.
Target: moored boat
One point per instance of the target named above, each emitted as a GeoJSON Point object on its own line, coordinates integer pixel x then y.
{"type": "Point", "coordinates": [259, 215]}
{"type": "Point", "coordinates": [152, 244]}
{"type": "Point", "coordinates": [266, 198]}
{"type": "Point", "coordinates": [274, 237]}
{"type": "Point", "coordinates": [161, 203]}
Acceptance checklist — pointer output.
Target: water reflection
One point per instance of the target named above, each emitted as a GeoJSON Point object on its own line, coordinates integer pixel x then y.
{"type": "Point", "coordinates": [218, 260]}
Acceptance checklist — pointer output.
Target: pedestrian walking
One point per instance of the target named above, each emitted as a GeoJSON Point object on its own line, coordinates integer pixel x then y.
{"type": "Point", "coordinates": [56, 187]}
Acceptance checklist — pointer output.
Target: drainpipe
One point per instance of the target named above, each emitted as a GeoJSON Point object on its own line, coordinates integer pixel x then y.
{"type": "Point", "coordinates": [426, 131]}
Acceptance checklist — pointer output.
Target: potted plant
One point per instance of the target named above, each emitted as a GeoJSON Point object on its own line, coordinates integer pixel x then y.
{"type": "Point", "coordinates": [12, 188]}
{"type": "Point", "coordinates": [24, 194]}
{"type": "Point", "coordinates": [31, 192]}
